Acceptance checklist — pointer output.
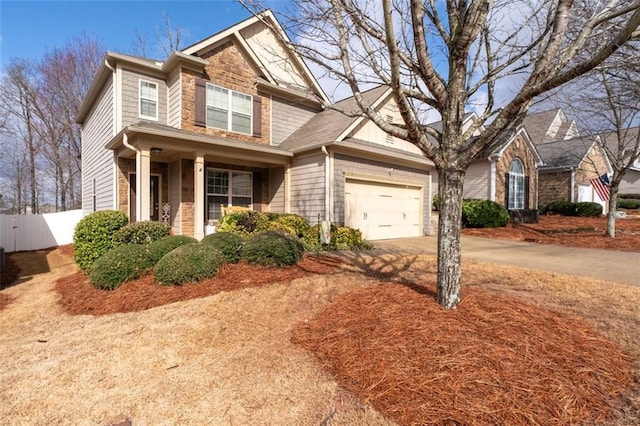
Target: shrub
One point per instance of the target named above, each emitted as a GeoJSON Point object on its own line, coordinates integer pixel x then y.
{"type": "Point", "coordinates": [121, 264]}
{"type": "Point", "coordinates": [293, 221]}
{"type": "Point", "coordinates": [245, 223]}
{"type": "Point", "coordinates": [312, 242]}
{"type": "Point", "coordinates": [273, 248]}
{"type": "Point", "coordinates": [565, 208]}
{"type": "Point", "coordinates": [142, 232]}
{"type": "Point", "coordinates": [188, 263]}
{"type": "Point", "coordinates": [587, 209]}
{"type": "Point", "coordinates": [435, 203]}
{"type": "Point", "coordinates": [342, 238]}
{"type": "Point", "coordinates": [629, 196]}
{"type": "Point", "coordinates": [628, 203]}
{"type": "Point", "coordinates": [227, 243]}
{"type": "Point", "coordinates": [95, 235]}
{"type": "Point", "coordinates": [161, 247]}
{"type": "Point", "coordinates": [483, 214]}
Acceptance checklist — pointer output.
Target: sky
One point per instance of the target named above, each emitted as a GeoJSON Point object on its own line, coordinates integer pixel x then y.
{"type": "Point", "coordinates": [28, 29]}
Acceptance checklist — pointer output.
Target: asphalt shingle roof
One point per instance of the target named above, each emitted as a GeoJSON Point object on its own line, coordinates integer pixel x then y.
{"type": "Point", "coordinates": [537, 125]}
{"type": "Point", "coordinates": [564, 153]}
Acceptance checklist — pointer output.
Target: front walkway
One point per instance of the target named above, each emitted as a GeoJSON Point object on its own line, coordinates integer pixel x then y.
{"type": "Point", "coordinates": [608, 265]}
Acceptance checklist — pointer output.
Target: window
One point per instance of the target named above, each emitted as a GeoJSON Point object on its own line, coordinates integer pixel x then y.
{"type": "Point", "coordinates": [148, 104]}
{"type": "Point", "coordinates": [229, 110]}
{"type": "Point", "coordinates": [231, 188]}
{"type": "Point", "coordinates": [516, 185]}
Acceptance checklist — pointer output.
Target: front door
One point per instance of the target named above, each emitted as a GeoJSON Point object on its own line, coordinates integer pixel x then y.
{"type": "Point", "coordinates": [154, 197]}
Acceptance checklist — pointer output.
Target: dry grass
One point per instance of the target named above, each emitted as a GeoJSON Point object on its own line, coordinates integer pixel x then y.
{"type": "Point", "coordinates": [228, 358]}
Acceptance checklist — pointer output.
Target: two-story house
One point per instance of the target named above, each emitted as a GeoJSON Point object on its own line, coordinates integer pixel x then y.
{"type": "Point", "coordinates": [238, 119]}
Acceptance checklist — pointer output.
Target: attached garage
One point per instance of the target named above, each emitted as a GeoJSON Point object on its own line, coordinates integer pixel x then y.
{"type": "Point", "coordinates": [383, 210]}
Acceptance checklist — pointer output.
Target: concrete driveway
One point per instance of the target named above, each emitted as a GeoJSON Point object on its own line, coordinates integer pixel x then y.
{"type": "Point", "coordinates": [609, 265]}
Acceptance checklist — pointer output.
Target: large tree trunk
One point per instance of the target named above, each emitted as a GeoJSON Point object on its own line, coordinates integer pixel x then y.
{"type": "Point", "coordinates": [449, 225]}
{"type": "Point", "coordinates": [611, 215]}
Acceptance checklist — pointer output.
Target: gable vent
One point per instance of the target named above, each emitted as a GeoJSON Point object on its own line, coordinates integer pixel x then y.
{"type": "Point", "coordinates": [389, 138]}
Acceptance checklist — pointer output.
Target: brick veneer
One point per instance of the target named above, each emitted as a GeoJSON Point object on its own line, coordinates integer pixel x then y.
{"type": "Point", "coordinates": [227, 68]}
{"type": "Point", "coordinates": [521, 150]}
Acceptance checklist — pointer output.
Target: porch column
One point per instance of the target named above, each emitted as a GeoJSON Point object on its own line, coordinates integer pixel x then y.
{"type": "Point", "coordinates": [198, 196]}
{"type": "Point", "coordinates": [143, 170]}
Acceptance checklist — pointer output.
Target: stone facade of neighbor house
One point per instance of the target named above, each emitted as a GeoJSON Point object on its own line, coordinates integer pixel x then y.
{"type": "Point", "coordinates": [554, 186]}
{"type": "Point", "coordinates": [518, 149]}
{"type": "Point", "coordinates": [238, 119]}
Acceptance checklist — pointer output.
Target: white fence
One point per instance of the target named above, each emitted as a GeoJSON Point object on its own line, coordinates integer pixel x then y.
{"type": "Point", "coordinates": [38, 231]}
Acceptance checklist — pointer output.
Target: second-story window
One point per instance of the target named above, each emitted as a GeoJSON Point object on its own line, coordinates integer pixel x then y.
{"type": "Point", "coordinates": [229, 110]}
{"type": "Point", "coordinates": [148, 100]}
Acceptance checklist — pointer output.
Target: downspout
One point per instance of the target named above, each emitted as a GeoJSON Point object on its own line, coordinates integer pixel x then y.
{"type": "Point", "coordinates": [125, 142]}
{"type": "Point", "coordinates": [327, 183]}
{"type": "Point", "coordinates": [573, 185]}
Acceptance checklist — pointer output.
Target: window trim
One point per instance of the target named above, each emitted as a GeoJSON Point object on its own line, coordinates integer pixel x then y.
{"type": "Point", "coordinates": [140, 98]}
{"type": "Point", "coordinates": [230, 194]}
{"type": "Point", "coordinates": [516, 179]}
{"type": "Point", "coordinates": [230, 110]}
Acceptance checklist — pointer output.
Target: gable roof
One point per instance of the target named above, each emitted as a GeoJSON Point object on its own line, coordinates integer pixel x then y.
{"type": "Point", "coordinates": [329, 125]}
{"type": "Point", "coordinates": [537, 125]}
{"type": "Point", "coordinates": [567, 153]}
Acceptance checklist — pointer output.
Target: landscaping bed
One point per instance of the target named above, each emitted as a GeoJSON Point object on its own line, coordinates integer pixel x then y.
{"type": "Point", "coordinates": [586, 232]}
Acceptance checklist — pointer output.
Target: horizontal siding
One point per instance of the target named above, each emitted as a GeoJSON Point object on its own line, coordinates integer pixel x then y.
{"type": "Point", "coordinates": [174, 98]}
{"type": "Point", "coordinates": [276, 190]}
{"type": "Point", "coordinates": [97, 162]}
{"type": "Point", "coordinates": [287, 117]}
{"type": "Point", "coordinates": [344, 164]}
{"type": "Point", "coordinates": [307, 187]}
{"type": "Point", "coordinates": [131, 87]}
{"type": "Point", "coordinates": [477, 182]}
{"type": "Point", "coordinates": [630, 183]}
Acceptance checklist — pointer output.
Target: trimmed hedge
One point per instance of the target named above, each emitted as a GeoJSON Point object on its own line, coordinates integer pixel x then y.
{"type": "Point", "coordinates": [159, 248]}
{"type": "Point", "coordinates": [588, 209]}
{"type": "Point", "coordinates": [629, 196]}
{"type": "Point", "coordinates": [95, 235]}
{"type": "Point", "coordinates": [188, 263]}
{"type": "Point", "coordinates": [121, 264]}
{"type": "Point", "coordinates": [628, 203]}
{"type": "Point", "coordinates": [273, 248]}
{"type": "Point", "coordinates": [227, 243]}
{"type": "Point", "coordinates": [297, 223]}
{"type": "Point", "coordinates": [142, 232]}
{"type": "Point", "coordinates": [244, 224]}
{"type": "Point", "coordinates": [342, 238]}
{"type": "Point", "coordinates": [568, 208]}
{"type": "Point", "coordinates": [483, 214]}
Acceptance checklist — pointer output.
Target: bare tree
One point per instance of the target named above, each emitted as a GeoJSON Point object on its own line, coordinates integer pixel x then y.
{"type": "Point", "coordinates": [167, 37]}
{"type": "Point", "coordinates": [496, 56]}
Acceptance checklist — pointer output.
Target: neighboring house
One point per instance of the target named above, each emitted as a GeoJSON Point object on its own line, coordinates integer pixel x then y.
{"type": "Point", "coordinates": [238, 119]}
{"type": "Point", "coordinates": [630, 183]}
{"type": "Point", "coordinates": [506, 174]}
{"type": "Point", "coordinates": [570, 161]}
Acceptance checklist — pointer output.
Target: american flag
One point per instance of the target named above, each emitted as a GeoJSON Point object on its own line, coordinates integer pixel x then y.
{"type": "Point", "coordinates": [601, 185]}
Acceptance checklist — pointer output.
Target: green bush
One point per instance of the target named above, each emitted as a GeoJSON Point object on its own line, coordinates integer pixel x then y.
{"type": "Point", "coordinates": [588, 209]}
{"type": "Point", "coordinates": [348, 238]}
{"type": "Point", "coordinates": [161, 247]}
{"type": "Point", "coordinates": [273, 248]}
{"type": "Point", "coordinates": [342, 238]}
{"type": "Point", "coordinates": [227, 243]}
{"type": "Point", "coordinates": [435, 203]}
{"type": "Point", "coordinates": [121, 264]}
{"type": "Point", "coordinates": [483, 214]}
{"type": "Point", "coordinates": [142, 232]}
{"type": "Point", "coordinates": [629, 196]}
{"type": "Point", "coordinates": [293, 221]}
{"type": "Point", "coordinates": [188, 263]}
{"type": "Point", "coordinates": [95, 235]}
{"type": "Point", "coordinates": [565, 208]}
{"type": "Point", "coordinates": [628, 203]}
{"type": "Point", "coordinates": [244, 224]}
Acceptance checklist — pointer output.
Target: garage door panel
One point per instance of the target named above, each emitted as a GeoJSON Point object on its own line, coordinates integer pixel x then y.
{"type": "Point", "coordinates": [382, 210]}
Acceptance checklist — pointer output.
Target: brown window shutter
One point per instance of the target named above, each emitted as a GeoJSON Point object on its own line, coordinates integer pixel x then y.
{"type": "Point", "coordinates": [506, 191]}
{"type": "Point", "coordinates": [201, 103]}
{"type": "Point", "coordinates": [526, 192]}
{"type": "Point", "coordinates": [257, 116]}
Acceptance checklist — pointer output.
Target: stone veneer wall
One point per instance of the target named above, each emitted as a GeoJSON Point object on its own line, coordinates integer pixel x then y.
{"type": "Point", "coordinates": [592, 166]}
{"type": "Point", "coordinates": [126, 166]}
{"type": "Point", "coordinates": [229, 69]}
{"type": "Point", "coordinates": [517, 149]}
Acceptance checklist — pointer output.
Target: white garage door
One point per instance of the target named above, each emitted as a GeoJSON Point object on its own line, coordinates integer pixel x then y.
{"type": "Point", "coordinates": [381, 210]}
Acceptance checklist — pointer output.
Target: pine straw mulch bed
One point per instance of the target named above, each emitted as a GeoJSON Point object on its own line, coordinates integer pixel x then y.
{"type": "Point", "coordinates": [9, 274]}
{"type": "Point", "coordinates": [586, 232]}
{"type": "Point", "coordinates": [79, 297]}
{"type": "Point", "coordinates": [494, 360]}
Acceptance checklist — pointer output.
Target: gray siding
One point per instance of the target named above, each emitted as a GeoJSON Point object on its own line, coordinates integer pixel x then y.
{"type": "Point", "coordinates": [276, 190]}
{"type": "Point", "coordinates": [344, 164]}
{"type": "Point", "coordinates": [130, 88]}
{"type": "Point", "coordinates": [175, 99]}
{"type": "Point", "coordinates": [307, 187]}
{"type": "Point", "coordinates": [287, 117]}
{"type": "Point", "coordinates": [97, 162]}
{"type": "Point", "coordinates": [630, 183]}
{"type": "Point", "coordinates": [175, 187]}
{"type": "Point", "coordinates": [477, 182]}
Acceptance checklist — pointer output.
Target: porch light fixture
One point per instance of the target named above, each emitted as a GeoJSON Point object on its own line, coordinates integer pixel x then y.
{"type": "Point", "coordinates": [156, 151]}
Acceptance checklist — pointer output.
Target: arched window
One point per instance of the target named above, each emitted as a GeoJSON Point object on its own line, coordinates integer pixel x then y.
{"type": "Point", "coordinates": [515, 185]}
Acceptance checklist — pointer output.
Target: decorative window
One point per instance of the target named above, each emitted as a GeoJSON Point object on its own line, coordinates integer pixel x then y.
{"type": "Point", "coordinates": [148, 100]}
{"type": "Point", "coordinates": [229, 110]}
{"type": "Point", "coordinates": [228, 187]}
{"type": "Point", "coordinates": [516, 185]}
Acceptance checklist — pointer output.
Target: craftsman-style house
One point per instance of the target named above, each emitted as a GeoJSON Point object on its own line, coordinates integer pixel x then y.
{"type": "Point", "coordinates": [238, 119]}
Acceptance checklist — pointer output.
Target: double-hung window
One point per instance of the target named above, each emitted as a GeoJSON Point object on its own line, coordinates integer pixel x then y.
{"type": "Point", "coordinates": [228, 187]}
{"type": "Point", "coordinates": [229, 110]}
{"type": "Point", "coordinates": [148, 100]}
